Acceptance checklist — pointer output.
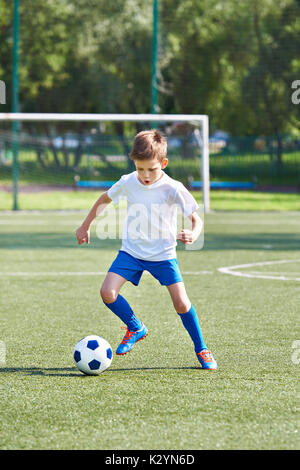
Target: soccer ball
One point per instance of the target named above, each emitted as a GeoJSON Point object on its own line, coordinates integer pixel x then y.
{"type": "Point", "coordinates": [92, 355]}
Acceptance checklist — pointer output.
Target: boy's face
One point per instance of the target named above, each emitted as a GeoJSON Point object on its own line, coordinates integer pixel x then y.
{"type": "Point", "coordinates": [150, 171]}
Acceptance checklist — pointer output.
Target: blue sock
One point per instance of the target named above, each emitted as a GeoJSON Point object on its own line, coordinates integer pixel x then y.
{"type": "Point", "coordinates": [191, 323]}
{"type": "Point", "coordinates": [123, 310]}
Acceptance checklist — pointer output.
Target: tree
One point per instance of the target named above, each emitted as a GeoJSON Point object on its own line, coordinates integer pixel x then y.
{"type": "Point", "coordinates": [5, 49]}
{"type": "Point", "coordinates": [267, 84]}
{"type": "Point", "coordinates": [233, 60]}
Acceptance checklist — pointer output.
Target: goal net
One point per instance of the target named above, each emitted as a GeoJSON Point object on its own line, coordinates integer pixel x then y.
{"type": "Point", "coordinates": [69, 152]}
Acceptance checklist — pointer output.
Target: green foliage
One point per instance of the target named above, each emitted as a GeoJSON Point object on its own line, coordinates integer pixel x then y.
{"type": "Point", "coordinates": [5, 41]}
{"type": "Point", "coordinates": [233, 60]}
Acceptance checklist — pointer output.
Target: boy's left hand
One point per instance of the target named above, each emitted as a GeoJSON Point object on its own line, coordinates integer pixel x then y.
{"type": "Point", "coordinates": [186, 236]}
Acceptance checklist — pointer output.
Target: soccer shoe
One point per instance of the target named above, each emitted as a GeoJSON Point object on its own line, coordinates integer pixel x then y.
{"type": "Point", "coordinates": [206, 359]}
{"type": "Point", "coordinates": [129, 340]}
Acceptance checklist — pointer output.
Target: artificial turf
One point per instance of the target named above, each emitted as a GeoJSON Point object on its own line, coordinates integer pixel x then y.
{"type": "Point", "coordinates": [156, 397]}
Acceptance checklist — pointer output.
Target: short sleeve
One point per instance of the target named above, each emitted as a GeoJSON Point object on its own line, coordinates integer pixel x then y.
{"type": "Point", "coordinates": [185, 200]}
{"type": "Point", "coordinates": [118, 190]}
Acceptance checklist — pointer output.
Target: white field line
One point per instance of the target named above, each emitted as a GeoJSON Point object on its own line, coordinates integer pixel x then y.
{"type": "Point", "coordinates": [40, 222]}
{"type": "Point", "coordinates": [75, 222]}
{"type": "Point", "coordinates": [44, 213]}
{"type": "Point", "coordinates": [232, 270]}
{"type": "Point", "coordinates": [289, 273]}
{"type": "Point", "coordinates": [225, 215]}
{"type": "Point", "coordinates": [81, 273]}
{"type": "Point", "coordinates": [54, 273]}
{"type": "Point", "coordinates": [256, 222]}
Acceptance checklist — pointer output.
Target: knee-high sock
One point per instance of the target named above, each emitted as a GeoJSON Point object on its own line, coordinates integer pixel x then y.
{"type": "Point", "coordinates": [191, 323]}
{"type": "Point", "coordinates": [122, 309]}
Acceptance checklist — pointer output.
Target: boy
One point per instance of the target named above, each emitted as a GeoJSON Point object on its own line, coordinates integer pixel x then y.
{"type": "Point", "coordinates": [153, 198]}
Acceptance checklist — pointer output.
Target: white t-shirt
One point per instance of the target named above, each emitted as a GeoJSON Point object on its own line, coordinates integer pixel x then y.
{"type": "Point", "coordinates": [150, 229]}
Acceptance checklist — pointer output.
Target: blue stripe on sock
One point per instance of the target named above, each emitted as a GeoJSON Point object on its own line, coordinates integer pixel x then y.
{"type": "Point", "coordinates": [122, 309]}
{"type": "Point", "coordinates": [191, 323]}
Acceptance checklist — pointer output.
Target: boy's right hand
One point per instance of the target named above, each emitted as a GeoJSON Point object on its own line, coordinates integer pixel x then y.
{"type": "Point", "coordinates": [83, 235]}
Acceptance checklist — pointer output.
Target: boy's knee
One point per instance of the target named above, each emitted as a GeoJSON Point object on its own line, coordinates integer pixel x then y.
{"type": "Point", "coordinates": [182, 306]}
{"type": "Point", "coordinates": [108, 295]}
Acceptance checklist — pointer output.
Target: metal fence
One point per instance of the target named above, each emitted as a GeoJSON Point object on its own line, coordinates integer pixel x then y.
{"type": "Point", "coordinates": [63, 158]}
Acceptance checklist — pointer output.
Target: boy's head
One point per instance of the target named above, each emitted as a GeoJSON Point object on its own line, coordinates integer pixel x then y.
{"type": "Point", "coordinates": [149, 153]}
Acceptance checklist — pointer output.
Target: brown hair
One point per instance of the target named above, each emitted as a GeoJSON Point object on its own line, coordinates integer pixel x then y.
{"type": "Point", "coordinates": [148, 145]}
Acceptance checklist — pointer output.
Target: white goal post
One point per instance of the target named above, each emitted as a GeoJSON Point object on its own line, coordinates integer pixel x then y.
{"type": "Point", "coordinates": [202, 134]}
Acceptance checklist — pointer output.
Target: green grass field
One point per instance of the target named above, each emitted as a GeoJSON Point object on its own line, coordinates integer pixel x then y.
{"type": "Point", "coordinates": [156, 397]}
{"type": "Point", "coordinates": [220, 200]}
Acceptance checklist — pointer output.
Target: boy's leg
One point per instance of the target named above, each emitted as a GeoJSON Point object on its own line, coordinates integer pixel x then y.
{"type": "Point", "coordinates": [116, 303]}
{"type": "Point", "coordinates": [187, 314]}
{"type": "Point", "coordinates": [190, 321]}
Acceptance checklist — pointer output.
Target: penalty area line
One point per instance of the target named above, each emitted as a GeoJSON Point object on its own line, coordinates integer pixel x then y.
{"type": "Point", "coordinates": [58, 273]}
{"type": "Point", "coordinates": [232, 270]}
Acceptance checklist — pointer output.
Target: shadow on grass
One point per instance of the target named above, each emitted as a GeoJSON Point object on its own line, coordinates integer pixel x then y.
{"type": "Point", "coordinates": [51, 240]}
{"type": "Point", "coordinates": [229, 241]}
{"type": "Point", "coordinates": [49, 371]}
{"type": "Point", "coordinates": [253, 241]}
{"type": "Point", "coordinates": [73, 372]}
{"type": "Point", "coordinates": [153, 368]}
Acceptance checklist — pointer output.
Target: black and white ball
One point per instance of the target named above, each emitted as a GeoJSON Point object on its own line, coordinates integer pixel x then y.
{"type": "Point", "coordinates": [92, 355]}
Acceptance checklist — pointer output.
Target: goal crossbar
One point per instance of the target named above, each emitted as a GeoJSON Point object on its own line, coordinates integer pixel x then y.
{"type": "Point", "coordinates": [101, 117]}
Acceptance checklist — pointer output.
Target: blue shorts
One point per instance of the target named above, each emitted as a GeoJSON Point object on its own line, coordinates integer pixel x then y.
{"type": "Point", "coordinates": [166, 272]}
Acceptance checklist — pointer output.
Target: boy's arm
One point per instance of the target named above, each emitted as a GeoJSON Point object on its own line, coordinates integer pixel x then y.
{"type": "Point", "coordinates": [190, 236]}
{"type": "Point", "coordinates": [83, 232]}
